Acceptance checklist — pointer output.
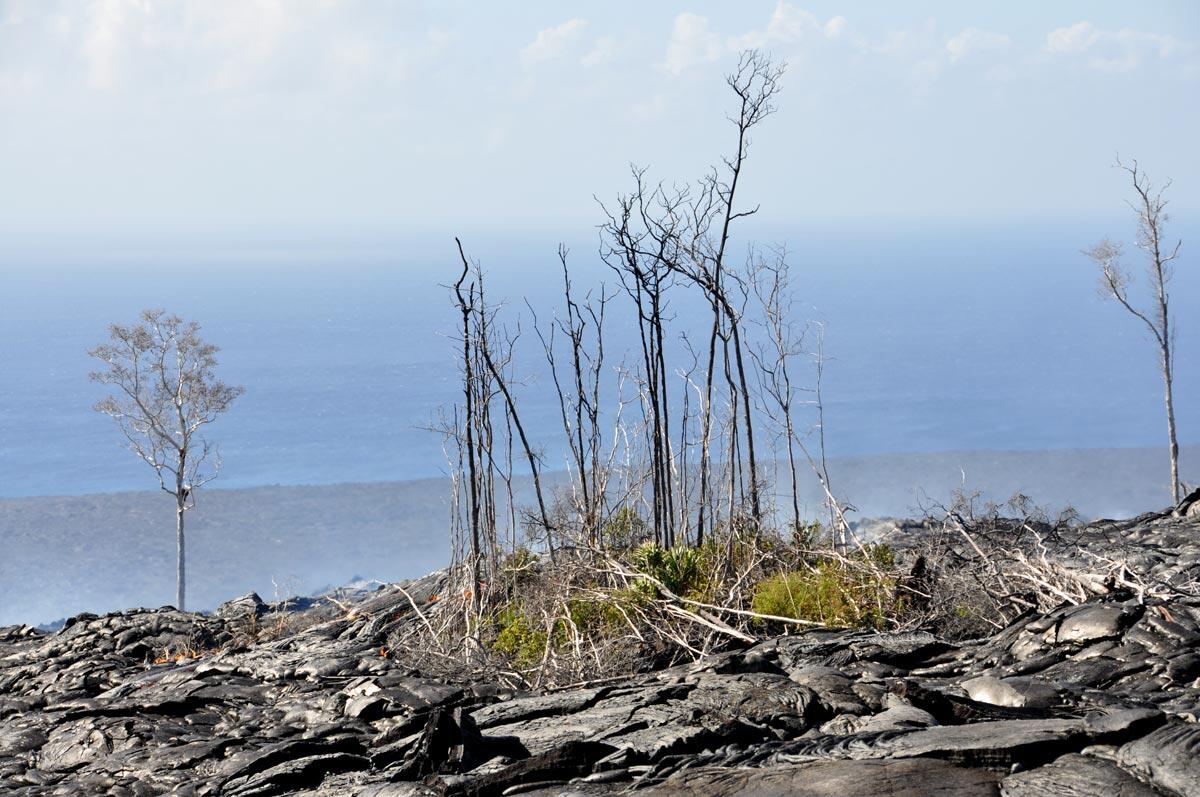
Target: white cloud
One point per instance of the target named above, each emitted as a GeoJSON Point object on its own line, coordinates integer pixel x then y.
{"type": "Point", "coordinates": [973, 41]}
{"type": "Point", "coordinates": [352, 58]}
{"type": "Point", "coordinates": [919, 53]}
{"type": "Point", "coordinates": [216, 46]}
{"type": "Point", "coordinates": [102, 46]}
{"type": "Point", "coordinates": [1073, 39]}
{"type": "Point", "coordinates": [556, 42]}
{"type": "Point", "coordinates": [229, 41]}
{"type": "Point", "coordinates": [12, 13]}
{"type": "Point", "coordinates": [245, 38]}
{"type": "Point", "coordinates": [604, 51]}
{"type": "Point", "coordinates": [1122, 50]}
{"type": "Point", "coordinates": [837, 27]}
{"type": "Point", "coordinates": [791, 24]}
{"type": "Point", "coordinates": [691, 43]}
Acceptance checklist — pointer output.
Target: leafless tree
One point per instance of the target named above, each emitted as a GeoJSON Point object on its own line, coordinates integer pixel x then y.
{"type": "Point", "coordinates": [641, 238]}
{"type": "Point", "coordinates": [485, 361]}
{"type": "Point", "coordinates": [780, 394]}
{"type": "Point", "coordinates": [714, 211]}
{"type": "Point", "coordinates": [778, 391]}
{"type": "Point", "coordinates": [582, 327]}
{"type": "Point", "coordinates": [1150, 208]}
{"type": "Point", "coordinates": [466, 306]}
{"type": "Point", "coordinates": [654, 234]}
{"type": "Point", "coordinates": [165, 392]}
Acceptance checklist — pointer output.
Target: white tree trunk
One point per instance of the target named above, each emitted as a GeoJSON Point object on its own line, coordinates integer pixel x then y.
{"type": "Point", "coordinates": [1172, 442]}
{"type": "Point", "coordinates": [179, 554]}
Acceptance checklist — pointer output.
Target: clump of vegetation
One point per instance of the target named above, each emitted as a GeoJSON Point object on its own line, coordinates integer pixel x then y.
{"type": "Point", "coordinates": [857, 591]}
{"type": "Point", "coordinates": [807, 535]}
{"type": "Point", "coordinates": [517, 638]}
{"type": "Point", "coordinates": [683, 571]}
{"type": "Point", "coordinates": [593, 612]}
{"type": "Point", "coordinates": [664, 543]}
{"type": "Point", "coordinates": [625, 529]}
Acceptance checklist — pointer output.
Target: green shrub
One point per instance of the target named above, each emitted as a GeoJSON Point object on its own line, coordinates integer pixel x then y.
{"type": "Point", "coordinates": [595, 617]}
{"type": "Point", "coordinates": [637, 595]}
{"type": "Point", "coordinates": [683, 571]}
{"type": "Point", "coordinates": [516, 638]}
{"type": "Point", "coordinates": [881, 554]}
{"type": "Point", "coordinates": [807, 536]}
{"type": "Point", "coordinates": [832, 593]}
{"type": "Point", "coordinates": [624, 529]}
{"type": "Point", "coordinates": [519, 566]}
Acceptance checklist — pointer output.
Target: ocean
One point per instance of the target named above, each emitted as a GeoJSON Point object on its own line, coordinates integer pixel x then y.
{"type": "Point", "coordinates": [972, 339]}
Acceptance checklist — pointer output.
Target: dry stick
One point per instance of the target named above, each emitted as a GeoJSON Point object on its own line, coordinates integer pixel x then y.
{"type": "Point", "coordinates": [755, 105]}
{"type": "Point", "coordinates": [820, 362]}
{"type": "Point", "coordinates": [486, 432]}
{"type": "Point", "coordinates": [595, 441]}
{"type": "Point", "coordinates": [708, 622]}
{"type": "Point", "coordinates": [668, 456]}
{"type": "Point", "coordinates": [586, 408]}
{"type": "Point", "coordinates": [586, 684]}
{"type": "Point", "coordinates": [541, 669]}
{"type": "Point", "coordinates": [706, 429]}
{"type": "Point", "coordinates": [507, 475]}
{"type": "Point", "coordinates": [632, 626]}
{"type": "Point", "coordinates": [469, 390]}
{"type": "Point", "coordinates": [991, 565]}
{"type": "Point", "coordinates": [574, 333]}
{"type": "Point", "coordinates": [576, 637]}
{"type": "Point", "coordinates": [512, 409]}
{"type": "Point", "coordinates": [1044, 584]}
{"type": "Point", "coordinates": [711, 607]}
{"type": "Point", "coordinates": [833, 502]}
{"type": "Point", "coordinates": [432, 634]}
{"type": "Point", "coordinates": [642, 288]}
{"type": "Point", "coordinates": [1120, 569]}
{"type": "Point", "coordinates": [1151, 216]}
{"type": "Point", "coordinates": [745, 390]}
{"type": "Point", "coordinates": [779, 387]}
{"type": "Point", "coordinates": [574, 329]}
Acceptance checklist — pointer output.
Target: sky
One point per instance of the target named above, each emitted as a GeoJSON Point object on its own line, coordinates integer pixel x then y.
{"type": "Point", "coordinates": [308, 123]}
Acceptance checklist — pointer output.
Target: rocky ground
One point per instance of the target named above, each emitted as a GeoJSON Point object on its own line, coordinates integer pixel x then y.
{"type": "Point", "coordinates": [1096, 698]}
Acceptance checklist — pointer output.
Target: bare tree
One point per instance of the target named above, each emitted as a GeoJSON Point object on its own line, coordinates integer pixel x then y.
{"type": "Point", "coordinates": [654, 234]}
{"type": "Point", "coordinates": [641, 237]}
{"type": "Point", "coordinates": [579, 401]}
{"type": "Point", "coordinates": [486, 363]}
{"type": "Point", "coordinates": [713, 212]}
{"type": "Point", "coordinates": [780, 393]}
{"type": "Point", "coordinates": [1150, 209]}
{"type": "Point", "coordinates": [165, 392]}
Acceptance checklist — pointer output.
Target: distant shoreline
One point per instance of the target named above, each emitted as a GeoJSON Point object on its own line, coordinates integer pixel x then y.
{"type": "Point", "coordinates": [1190, 452]}
{"type": "Point", "coordinates": [108, 551]}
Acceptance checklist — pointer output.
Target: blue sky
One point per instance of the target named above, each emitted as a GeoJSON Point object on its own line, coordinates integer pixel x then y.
{"type": "Point", "coordinates": [298, 122]}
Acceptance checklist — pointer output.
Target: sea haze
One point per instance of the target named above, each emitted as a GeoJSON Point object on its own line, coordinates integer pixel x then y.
{"type": "Point", "coordinates": [117, 550]}
{"type": "Point", "coordinates": [983, 340]}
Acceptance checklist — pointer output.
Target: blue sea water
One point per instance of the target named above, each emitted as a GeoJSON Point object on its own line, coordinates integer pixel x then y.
{"type": "Point", "coordinates": [977, 339]}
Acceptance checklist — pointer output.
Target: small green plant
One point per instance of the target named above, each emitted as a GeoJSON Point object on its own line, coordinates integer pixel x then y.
{"type": "Point", "coordinates": [515, 637]}
{"type": "Point", "coordinates": [683, 571]}
{"type": "Point", "coordinates": [624, 529]}
{"type": "Point", "coordinates": [595, 617]}
{"type": "Point", "coordinates": [832, 592]}
{"type": "Point", "coordinates": [806, 535]}
{"type": "Point", "coordinates": [881, 555]}
{"type": "Point", "coordinates": [519, 565]}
